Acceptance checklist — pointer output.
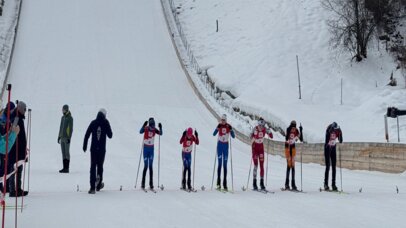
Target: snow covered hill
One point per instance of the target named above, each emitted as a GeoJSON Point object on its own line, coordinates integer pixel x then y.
{"type": "Point", "coordinates": [253, 55]}
{"type": "Point", "coordinates": [100, 54]}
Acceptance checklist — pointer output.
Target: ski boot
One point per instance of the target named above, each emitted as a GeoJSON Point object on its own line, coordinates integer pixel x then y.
{"type": "Point", "coordinates": [189, 185]}
{"type": "Point", "coordinates": [99, 186]}
{"type": "Point", "coordinates": [287, 184]}
{"type": "Point", "coordinates": [254, 184]}
{"type": "Point", "coordinates": [294, 188]}
{"type": "Point", "coordinates": [261, 184]}
{"type": "Point", "coordinates": [91, 191]}
{"type": "Point", "coordinates": [18, 193]}
{"type": "Point", "coordinates": [225, 185]}
{"type": "Point", "coordinates": [183, 184]}
{"type": "Point", "coordinates": [326, 188]}
{"type": "Point", "coordinates": [218, 183]}
{"type": "Point", "coordinates": [334, 188]}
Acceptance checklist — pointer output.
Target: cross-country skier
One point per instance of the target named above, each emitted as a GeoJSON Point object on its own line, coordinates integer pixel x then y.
{"type": "Point", "coordinates": [148, 148]}
{"type": "Point", "coordinates": [99, 129]}
{"type": "Point", "coordinates": [187, 141]}
{"type": "Point", "coordinates": [257, 139]}
{"type": "Point", "coordinates": [224, 131]}
{"type": "Point", "coordinates": [3, 140]}
{"type": "Point", "coordinates": [292, 135]}
{"type": "Point", "coordinates": [333, 133]}
{"type": "Point", "coordinates": [18, 151]}
{"type": "Point", "coordinates": [64, 137]}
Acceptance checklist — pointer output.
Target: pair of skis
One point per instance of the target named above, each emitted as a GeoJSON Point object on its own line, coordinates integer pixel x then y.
{"type": "Point", "coordinates": [188, 190]}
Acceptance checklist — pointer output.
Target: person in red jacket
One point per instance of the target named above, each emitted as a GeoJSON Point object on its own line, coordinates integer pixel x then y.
{"type": "Point", "coordinates": [187, 141]}
{"type": "Point", "coordinates": [292, 135]}
{"type": "Point", "coordinates": [257, 139]}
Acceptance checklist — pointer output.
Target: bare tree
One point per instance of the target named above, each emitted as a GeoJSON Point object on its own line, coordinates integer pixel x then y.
{"type": "Point", "coordinates": [352, 27]}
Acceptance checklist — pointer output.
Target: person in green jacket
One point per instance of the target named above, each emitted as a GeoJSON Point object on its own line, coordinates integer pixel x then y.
{"type": "Point", "coordinates": [65, 135]}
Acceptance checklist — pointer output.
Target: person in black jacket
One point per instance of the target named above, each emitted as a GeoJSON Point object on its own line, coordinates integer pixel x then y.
{"type": "Point", "coordinates": [333, 133]}
{"type": "Point", "coordinates": [18, 152]}
{"type": "Point", "coordinates": [99, 129]}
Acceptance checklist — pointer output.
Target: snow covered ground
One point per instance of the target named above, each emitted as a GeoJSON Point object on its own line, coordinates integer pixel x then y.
{"type": "Point", "coordinates": [253, 55]}
{"type": "Point", "coordinates": [97, 53]}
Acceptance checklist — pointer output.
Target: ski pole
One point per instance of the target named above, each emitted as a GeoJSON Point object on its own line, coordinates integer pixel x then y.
{"type": "Point", "coordinates": [232, 175]}
{"type": "Point", "coordinates": [3, 200]}
{"type": "Point", "coordinates": [139, 162]}
{"type": "Point", "coordinates": [249, 173]}
{"type": "Point", "coordinates": [267, 164]}
{"type": "Point", "coordinates": [301, 163]}
{"type": "Point", "coordinates": [29, 151]}
{"type": "Point", "coordinates": [214, 169]}
{"type": "Point", "coordinates": [194, 162]}
{"type": "Point", "coordinates": [16, 175]}
{"type": "Point", "coordinates": [159, 157]}
{"type": "Point", "coordinates": [26, 156]}
{"type": "Point", "coordinates": [341, 173]}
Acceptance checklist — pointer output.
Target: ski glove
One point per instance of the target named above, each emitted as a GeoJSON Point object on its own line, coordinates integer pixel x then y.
{"type": "Point", "coordinates": [145, 124]}
{"type": "Point", "coordinates": [59, 140]}
{"type": "Point", "coordinates": [196, 134]}
{"type": "Point", "coordinates": [160, 126]}
{"type": "Point", "coordinates": [184, 134]}
{"type": "Point", "coordinates": [301, 128]}
{"type": "Point", "coordinates": [84, 148]}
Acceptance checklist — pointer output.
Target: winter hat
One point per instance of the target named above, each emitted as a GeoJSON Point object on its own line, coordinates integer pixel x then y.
{"type": "Point", "coordinates": [189, 132]}
{"type": "Point", "coordinates": [224, 117]}
{"type": "Point", "coordinates": [334, 125]}
{"type": "Point", "coordinates": [293, 123]}
{"type": "Point", "coordinates": [104, 111]}
{"type": "Point", "coordinates": [12, 106]}
{"type": "Point", "coordinates": [151, 122]}
{"type": "Point", "coordinates": [65, 108]}
{"type": "Point", "coordinates": [21, 107]}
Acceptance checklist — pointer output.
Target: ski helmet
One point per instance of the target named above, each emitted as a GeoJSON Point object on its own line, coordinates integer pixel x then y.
{"type": "Point", "coordinates": [65, 108]}
{"type": "Point", "coordinates": [261, 122]}
{"type": "Point", "coordinates": [293, 123]}
{"type": "Point", "coordinates": [334, 125]}
{"type": "Point", "coordinates": [189, 132]}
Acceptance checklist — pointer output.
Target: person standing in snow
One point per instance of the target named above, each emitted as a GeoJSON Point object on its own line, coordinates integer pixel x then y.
{"type": "Point", "coordinates": [292, 135]}
{"type": "Point", "coordinates": [64, 137]}
{"type": "Point", "coordinates": [3, 141]}
{"type": "Point", "coordinates": [148, 149]}
{"type": "Point", "coordinates": [187, 141]}
{"type": "Point", "coordinates": [257, 139]}
{"type": "Point", "coordinates": [333, 133]}
{"type": "Point", "coordinates": [224, 131]}
{"type": "Point", "coordinates": [17, 154]}
{"type": "Point", "coordinates": [99, 129]}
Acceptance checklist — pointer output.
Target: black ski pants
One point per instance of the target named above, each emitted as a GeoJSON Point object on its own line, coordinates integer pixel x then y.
{"type": "Point", "coordinates": [330, 157]}
{"type": "Point", "coordinates": [96, 166]}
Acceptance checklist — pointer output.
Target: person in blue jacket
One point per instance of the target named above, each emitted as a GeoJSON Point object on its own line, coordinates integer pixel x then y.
{"type": "Point", "coordinates": [224, 131]}
{"type": "Point", "coordinates": [12, 136]}
{"type": "Point", "coordinates": [148, 149]}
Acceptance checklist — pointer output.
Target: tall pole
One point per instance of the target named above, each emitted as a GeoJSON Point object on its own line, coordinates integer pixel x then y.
{"type": "Point", "coordinates": [3, 200]}
{"type": "Point", "coordinates": [397, 119]}
{"type": "Point", "coordinates": [298, 76]}
{"type": "Point", "coordinates": [341, 91]}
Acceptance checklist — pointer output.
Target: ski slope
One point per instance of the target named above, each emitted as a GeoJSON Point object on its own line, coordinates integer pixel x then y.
{"type": "Point", "coordinates": [102, 54]}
